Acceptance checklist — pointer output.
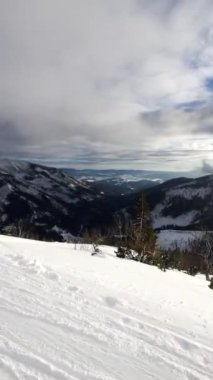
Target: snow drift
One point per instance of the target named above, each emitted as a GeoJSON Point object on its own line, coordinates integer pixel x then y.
{"type": "Point", "coordinates": [66, 315]}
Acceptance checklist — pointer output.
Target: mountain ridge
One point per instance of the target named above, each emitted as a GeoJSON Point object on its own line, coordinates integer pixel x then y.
{"type": "Point", "coordinates": [53, 203]}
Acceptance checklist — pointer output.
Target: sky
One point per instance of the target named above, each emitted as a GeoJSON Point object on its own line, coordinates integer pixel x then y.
{"type": "Point", "coordinates": [107, 83]}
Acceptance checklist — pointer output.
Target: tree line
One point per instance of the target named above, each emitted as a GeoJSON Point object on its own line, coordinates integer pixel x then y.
{"type": "Point", "coordinates": [135, 239]}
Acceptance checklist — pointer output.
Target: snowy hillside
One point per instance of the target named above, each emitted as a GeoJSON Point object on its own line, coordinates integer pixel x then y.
{"type": "Point", "coordinates": [66, 315]}
{"type": "Point", "coordinates": [50, 203]}
{"type": "Point", "coordinates": [182, 203]}
{"type": "Point", "coordinates": [42, 197]}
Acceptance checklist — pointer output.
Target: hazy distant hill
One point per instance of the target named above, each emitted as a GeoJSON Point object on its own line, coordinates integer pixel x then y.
{"type": "Point", "coordinates": [125, 174]}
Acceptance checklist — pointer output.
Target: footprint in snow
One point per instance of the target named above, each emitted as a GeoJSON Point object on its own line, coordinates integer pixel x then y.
{"type": "Point", "coordinates": [20, 260]}
{"type": "Point", "coordinates": [126, 320]}
{"type": "Point", "coordinates": [72, 288]}
{"type": "Point", "coordinates": [111, 301]}
{"type": "Point", "coordinates": [133, 323]}
{"type": "Point", "coordinates": [51, 275]}
{"type": "Point", "coordinates": [184, 344]}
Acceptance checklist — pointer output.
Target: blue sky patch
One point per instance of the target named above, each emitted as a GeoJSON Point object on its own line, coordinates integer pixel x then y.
{"type": "Point", "coordinates": [209, 83]}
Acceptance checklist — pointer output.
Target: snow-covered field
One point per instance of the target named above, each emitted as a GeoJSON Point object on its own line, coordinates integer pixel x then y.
{"type": "Point", "coordinates": [65, 314]}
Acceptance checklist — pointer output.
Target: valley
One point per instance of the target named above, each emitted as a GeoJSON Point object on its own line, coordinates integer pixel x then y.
{"type": "Point", "coordinates": [57, 206]}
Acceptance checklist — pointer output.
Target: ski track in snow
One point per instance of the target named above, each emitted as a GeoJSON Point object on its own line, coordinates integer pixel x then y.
{"type": "Point", "coordinates": [66, 315]}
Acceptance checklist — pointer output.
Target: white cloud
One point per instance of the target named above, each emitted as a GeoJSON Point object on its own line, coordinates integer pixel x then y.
{"type": "Point", "coordinates": [80, 75]}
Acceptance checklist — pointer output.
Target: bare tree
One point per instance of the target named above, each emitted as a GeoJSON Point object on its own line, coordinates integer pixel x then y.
{"type": "Point", "coordinates": [20, 228]}
{"type": "Point", "coordinates": [94, 238]}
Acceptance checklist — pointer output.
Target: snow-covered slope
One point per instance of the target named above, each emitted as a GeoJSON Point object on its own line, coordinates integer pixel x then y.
{"type": "Point", "coordinates": [49, 203]}
{"type": "Point", "coordinates": [183, 203]}
{"type": "Point", "coordinates": [66, 315]}
{"type": "Point", "coordinates": [42, 198]}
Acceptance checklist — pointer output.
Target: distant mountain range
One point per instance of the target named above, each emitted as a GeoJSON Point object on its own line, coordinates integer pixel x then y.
{"type": "Point", "coordinates": [120, 186]}
{"type": "Point", "coordinates": [127, 175]}
{"type": "Point", "coordinates": [55, 204]}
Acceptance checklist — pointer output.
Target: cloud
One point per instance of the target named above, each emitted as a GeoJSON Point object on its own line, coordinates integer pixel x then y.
{"type": "Point", "coordinates": [86, 81]}
{"type": "Point", "coordinates": [207, 168]}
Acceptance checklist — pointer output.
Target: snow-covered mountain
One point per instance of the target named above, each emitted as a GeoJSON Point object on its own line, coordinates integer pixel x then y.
{"type": "Point", "coordinates": [119, 182]}
{"type": "Point", "coordinates": [48, 200]}
{"type": "Point", "coordinates": [67, 315]}
{"type": "Point", "coordinates": [182, 203]}
{"type": "Point", "coordinates": [53, 204]}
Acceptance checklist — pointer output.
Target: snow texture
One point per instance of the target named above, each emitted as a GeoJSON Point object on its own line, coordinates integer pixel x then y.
{"type": "Point", "coordinates": [67, 315]}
